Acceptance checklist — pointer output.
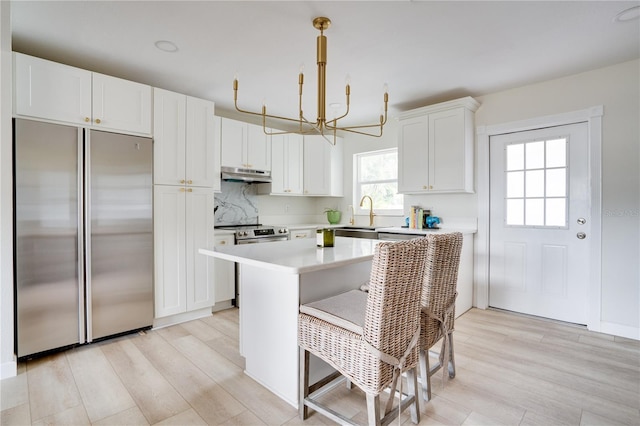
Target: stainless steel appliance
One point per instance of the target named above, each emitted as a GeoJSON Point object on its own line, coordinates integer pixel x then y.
{"type": "Point", "coordinates": [236, 174]}
{"type": "Point", "coordinates": [83, 235]}
{"type": "Point", "coordinates": [260, 234]}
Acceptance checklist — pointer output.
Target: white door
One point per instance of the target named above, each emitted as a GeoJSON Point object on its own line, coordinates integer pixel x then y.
{"type": "Point", "coordinates": [540, 222]}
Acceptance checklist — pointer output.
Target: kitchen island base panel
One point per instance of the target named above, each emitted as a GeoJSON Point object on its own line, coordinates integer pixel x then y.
{"type": "Point", "coordinates": [269, 321]}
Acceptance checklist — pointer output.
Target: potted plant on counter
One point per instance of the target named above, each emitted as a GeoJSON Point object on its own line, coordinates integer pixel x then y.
{"type": "Point", "coordinates": [333, 216]}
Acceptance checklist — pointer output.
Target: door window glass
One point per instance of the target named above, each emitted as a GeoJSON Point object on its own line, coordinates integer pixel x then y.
{"type": "Point", "coordinates": [536, 183]}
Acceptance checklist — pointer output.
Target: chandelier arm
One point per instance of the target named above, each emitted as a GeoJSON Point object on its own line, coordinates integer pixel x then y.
{"type": "Point", "coordinates": [319, 131]}
{"type": "Point", "coordinates": [350, 130]}
{"type": "Point", "coordinates": [335, 120]}
{"type": "Point", "coordinates": [277, 117]}
{"type": "Point", "coordinates": [383, 121]}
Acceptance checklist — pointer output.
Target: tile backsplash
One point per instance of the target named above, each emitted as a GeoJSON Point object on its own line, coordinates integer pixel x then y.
{"type": "Point", "coordinates": [236, 204]}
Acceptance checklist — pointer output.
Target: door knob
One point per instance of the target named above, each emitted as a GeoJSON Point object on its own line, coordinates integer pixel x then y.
{"type": "Point", "coordinates": [581, 235]}
{"type": "Point", "coordinates": [581, 221]}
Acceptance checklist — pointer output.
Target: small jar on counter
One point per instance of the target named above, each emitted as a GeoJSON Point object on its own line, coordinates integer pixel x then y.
{"type": "Point", "coordinates": [325, 237]}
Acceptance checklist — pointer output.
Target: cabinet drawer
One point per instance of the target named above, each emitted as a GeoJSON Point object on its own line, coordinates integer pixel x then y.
{"type": "Point", "coordinates": [223, 240]}
{"type": "Point", "coordinates": [302, 233]}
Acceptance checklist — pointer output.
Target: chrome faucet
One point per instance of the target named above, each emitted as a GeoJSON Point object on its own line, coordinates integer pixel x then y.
{"type": "Point", "coordinates": [371, 214]}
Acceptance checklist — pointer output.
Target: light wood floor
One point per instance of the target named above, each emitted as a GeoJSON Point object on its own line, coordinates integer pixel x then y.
{"type": "Point", "coordinates": [511, 370]}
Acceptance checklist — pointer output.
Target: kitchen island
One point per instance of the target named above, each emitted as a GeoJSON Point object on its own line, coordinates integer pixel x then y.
{"type": "Point", "coordinates": [274, 280]}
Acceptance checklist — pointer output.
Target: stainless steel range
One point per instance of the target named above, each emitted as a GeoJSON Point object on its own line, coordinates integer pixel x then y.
{"type": "Point", "coordinates": [253, 234]}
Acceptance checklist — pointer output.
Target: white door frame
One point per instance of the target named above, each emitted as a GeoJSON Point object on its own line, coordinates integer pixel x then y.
{"type": "Point", "coordinates": [593, 118]}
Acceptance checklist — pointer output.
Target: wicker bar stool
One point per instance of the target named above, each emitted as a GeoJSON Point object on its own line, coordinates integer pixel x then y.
{"type": "Point", "coordinates": [370, 338]}
{"type": "Point", "coordinates": [438, 305]}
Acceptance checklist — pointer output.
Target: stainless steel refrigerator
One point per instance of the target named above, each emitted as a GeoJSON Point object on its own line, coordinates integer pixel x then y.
{"type": "Point", "coordinates": [83, 235]}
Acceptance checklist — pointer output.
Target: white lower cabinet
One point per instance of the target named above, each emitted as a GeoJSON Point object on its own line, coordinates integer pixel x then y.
{"type": "Point", "coordinates": [183, 223]}
{"type": "Point", "coordinates": [225, 271]}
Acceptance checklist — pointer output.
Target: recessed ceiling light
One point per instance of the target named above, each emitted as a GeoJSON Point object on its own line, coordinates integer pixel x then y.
{"type": "Point", "coordinates": [166, 46]}
{"type": "Point", "coordinates": [627, 15]}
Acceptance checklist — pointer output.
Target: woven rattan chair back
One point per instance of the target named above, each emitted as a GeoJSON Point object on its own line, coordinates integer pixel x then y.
{"type": "Point", "coordinates": [390, 331]}
{"type": "Point", "coordinates": [438, 301]}
{"type": "Point", "coordinates": [395, 286]}
{"type": "Point", "coordinates": [440, 282]}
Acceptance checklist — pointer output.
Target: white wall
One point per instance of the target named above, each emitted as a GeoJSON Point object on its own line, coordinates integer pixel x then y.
{"type": "Point", "coordinates": [7, 360]}
{"type": "Point", "coordinates": [617, 88]}
{"type": "Point", "coordinates": [354, 144]}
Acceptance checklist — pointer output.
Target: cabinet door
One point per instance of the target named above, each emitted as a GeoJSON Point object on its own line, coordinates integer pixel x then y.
{"type": "Point", "coordinates": [201, 156]}
{"type": "Point", "coordinates": [413, 155]}
{"type": "Point", "coordinates": [199, 234]}
{"type": "Point", "coordinates": [279, 181]}
{"type": "Point", "coordinates": [447, 150]}
{"type": "Point", "coordinates": [49, 90]}
{"type": "Point", "coordinates": [286, 164]}
{"type": "Point", "coordinates": [169, 110]}
{"type": "Point", "coordinates": [225, 272]}
{"type": "Point", "coordinates": [169, 251]}
{"type": "Point", "coordinates": [258, 148]}
{"type": "Point", "coordinates": [317, 167]}
{"type": "Point", "coordinates": [121, 105]}
{"type": "Point", "coordinates": [233, 143]}
{"type": "Point", "coordinates": [294, 160]}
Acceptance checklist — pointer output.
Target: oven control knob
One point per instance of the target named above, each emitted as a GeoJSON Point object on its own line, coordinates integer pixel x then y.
{"type": "Point", "coordinates": [282, 231]}
{"type": "Point", "coordinates": [243, 233]}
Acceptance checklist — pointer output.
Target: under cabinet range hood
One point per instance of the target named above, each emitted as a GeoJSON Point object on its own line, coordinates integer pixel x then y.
{"type": "Point", "coordinates": [237, 174]}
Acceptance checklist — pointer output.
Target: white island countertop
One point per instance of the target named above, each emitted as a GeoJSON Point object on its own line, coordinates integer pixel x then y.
{"type": "Point", "coordinates": [297, 256]}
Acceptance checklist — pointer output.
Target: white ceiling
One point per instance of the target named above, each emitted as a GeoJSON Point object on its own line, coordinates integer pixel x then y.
{"type": "Point", "coordinates": [426, 51]}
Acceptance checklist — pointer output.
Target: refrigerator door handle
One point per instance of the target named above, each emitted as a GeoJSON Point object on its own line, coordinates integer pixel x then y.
{"type": "Point", "coordinates": [81, 234]}
{"type": "Point", "coordinates": [87, 236]}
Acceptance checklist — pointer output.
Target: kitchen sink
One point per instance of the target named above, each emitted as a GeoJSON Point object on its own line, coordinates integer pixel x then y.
{"type": "Point", "coordinates": [357, 232]}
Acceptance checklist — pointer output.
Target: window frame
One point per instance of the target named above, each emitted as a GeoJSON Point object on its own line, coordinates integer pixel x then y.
{"type": "Point", "coordinates": [357, 185]}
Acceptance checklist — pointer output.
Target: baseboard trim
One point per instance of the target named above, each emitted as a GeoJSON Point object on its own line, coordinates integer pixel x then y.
{"type": "Point", "coordinates": [180, 318]}
{"type": "Point", "coordinates": [620, 330]}
{"type": "Point", "coordinates": [8, 369]}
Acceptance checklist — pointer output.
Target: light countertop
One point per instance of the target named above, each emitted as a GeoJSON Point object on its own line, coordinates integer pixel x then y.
{"type": "Point", "coordinates": [443, 230]}
{"type": "Point", "coordinates": [297, 256]}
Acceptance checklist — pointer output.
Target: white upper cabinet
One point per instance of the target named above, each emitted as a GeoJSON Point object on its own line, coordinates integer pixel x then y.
{"type": "Point", "coordinates": [435, 148]}
{"type": "Point", "coordinates": [323, 174]}
{"type": "Point", "coordinates": [203, 144]}
{"type": "Point", "coordinates": [46, 89]}
{"type": "Point", "coordinates": [121, 104]}
{"type": "Point", "coordinates": [169, 137]}
{"type": "Point", "coordinates": [245, 146]}
{"type": "Point", "coordinates": [286, 164]}
{"type": "Point", "coordinates": [186, 141]}
{"type": "Point", "coordinates": [52, 91]}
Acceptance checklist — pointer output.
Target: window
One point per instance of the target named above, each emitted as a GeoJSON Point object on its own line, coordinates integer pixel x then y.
{"type": "Point", "coordinates": [376, 175]}
{"type": "Point", "coordinates": [536, 183]}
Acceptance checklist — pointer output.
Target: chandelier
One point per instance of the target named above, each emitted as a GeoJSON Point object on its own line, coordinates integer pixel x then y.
{"type": "Point", "coordinates": [321, 126]}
